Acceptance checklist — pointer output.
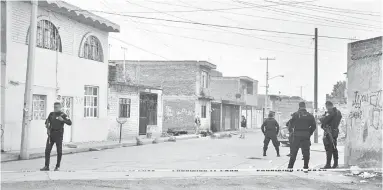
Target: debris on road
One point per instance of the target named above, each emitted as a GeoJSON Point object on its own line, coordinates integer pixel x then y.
{"type": "Point", "coordinates": [367, 175]}
{"type": "Point", "coordinates": [355, 170]}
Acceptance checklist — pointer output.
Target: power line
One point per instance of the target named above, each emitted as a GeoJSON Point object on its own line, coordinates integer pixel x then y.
{"type": "Point", "coordinates": [222, 43]}
{"type": "Point", "coordinates": [232, 27]}
{"type": "Point", "coordinates": [252, 36]}
{"type": "Point", "coordinates": [142, 49]}
{"type": "Point", "coordinates": [327, 19]}
{"type": "Point", "coordinates": [351, 11]}
{"type": "Point", "coordinates": [326, 11]}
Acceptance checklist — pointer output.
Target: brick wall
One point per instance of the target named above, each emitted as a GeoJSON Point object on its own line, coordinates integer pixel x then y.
{"type": "Point", "coordinates": [224, 88]}
{"type": "Point", "coordinates": [179, 114]}
{"type": "Point", "coordinates": [364, 122]}
{"type": "Point", "coordinates": [175, 79]}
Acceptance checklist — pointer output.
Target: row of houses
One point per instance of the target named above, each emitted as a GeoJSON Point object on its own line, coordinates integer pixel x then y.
{"type": "Point", "coordinates": [180, 91]}
{"type": "Point", "coordinates": [72, 66]}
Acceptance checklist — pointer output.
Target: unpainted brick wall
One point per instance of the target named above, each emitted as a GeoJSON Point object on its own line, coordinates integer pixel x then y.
{"type": "Point", "coordinates": [179, 114]}
{"type": "Point", "coordinates": [224, 88]}
{"type": "Point", "coordinates": [175, 79]}
{"type": "Point", "coordinates": [364, 122]}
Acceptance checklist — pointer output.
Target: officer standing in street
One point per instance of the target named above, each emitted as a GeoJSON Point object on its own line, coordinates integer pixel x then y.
{"type": "Point", "coordinates": [55, 129]}
{"type": "Point", "coordinates": [270, 129]}
{"type": "Point", "coordinates": [330, 124]}
{"type": "Point", "coordinates": [302, 125]}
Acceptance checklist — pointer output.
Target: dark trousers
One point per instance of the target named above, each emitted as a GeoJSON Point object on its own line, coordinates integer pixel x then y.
{"type": "Point", "coordinates": [330, 145]}
{"type": "Point", "coordinates": [274, 140]}
{"type": "Point", "coordinates": [55, 138]}
{"type": "Point", "coordinates": [300, 142]}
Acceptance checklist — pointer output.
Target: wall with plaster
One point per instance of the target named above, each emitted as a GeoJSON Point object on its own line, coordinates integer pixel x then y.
{"type": "Point", "coordinates": [364, 120]}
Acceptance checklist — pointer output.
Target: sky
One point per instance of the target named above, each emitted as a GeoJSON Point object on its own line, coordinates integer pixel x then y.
{"type": "Point", "coordinates": [237, 52]}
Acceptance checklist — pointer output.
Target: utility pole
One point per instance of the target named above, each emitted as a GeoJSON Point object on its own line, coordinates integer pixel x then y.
{"type": "Point", "coordinates": [267, 83]}
{"type": "Point", "coordinates": [316, 83]}
{"type": "Point", "coordinates": [124, 50]}
{"type": "Point", "coordinates": [28, 94]}
{"type": "Point", "coordinates": [301, 92]}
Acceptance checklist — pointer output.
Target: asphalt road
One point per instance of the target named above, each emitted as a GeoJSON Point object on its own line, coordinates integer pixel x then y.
{"type": "Point", "coordinates": [204, 153]}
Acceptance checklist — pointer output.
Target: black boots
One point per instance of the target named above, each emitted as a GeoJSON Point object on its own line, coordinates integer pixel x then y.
{"type": "Point", "coordinates": [306, 163]}
{"type": "Point", "coordinates": [45, 168]}
{"type": "Point", "coordinates": [335, 159]}
{"type": "Point", "coordinates": [277, 149]}
{"type": "Point", "coordinates": [328, 160]}
{"type": "Point", "coordinates": [264, 151]}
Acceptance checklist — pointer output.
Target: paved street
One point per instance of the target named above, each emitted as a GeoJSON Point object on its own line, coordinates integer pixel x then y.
{"type": "Point", "coordinates": [203, 153]}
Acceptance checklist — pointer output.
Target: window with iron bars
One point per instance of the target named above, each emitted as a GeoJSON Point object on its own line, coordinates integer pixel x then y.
{"type": "Point", "coordinates": [124, 105]}
{"type": "Point", "coordinates": [48, 36]}
{"type": "Point", "coordinates": [93, 49]}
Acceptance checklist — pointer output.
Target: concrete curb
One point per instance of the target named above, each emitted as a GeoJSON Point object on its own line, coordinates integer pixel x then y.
{"type": "Point", "coordinates": [15, 157]}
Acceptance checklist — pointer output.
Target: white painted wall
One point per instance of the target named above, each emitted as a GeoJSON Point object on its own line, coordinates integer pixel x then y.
{"type": "Point", "coordinates": [73, 74]}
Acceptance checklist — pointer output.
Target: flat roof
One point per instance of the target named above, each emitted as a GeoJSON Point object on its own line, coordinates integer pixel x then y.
{"type": "Point", "coordinates": [201, 63]}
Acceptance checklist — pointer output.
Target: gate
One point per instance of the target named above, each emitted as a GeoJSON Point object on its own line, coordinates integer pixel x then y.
{"type": "Point", "coordinates": [67, 108]}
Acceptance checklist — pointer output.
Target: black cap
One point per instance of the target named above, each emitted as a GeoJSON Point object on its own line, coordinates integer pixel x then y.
{"type": "Point", "coordinates": [302, 105]}
{"type": "Point", "coordinates": [328, 103]}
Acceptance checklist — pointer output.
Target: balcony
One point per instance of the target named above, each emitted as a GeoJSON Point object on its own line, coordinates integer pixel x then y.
{"type": "Point", "coordinates": [204, 93]}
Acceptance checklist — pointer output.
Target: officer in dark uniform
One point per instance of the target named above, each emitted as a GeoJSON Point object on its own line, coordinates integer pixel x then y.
{"type": "Point", "coordinates": [291, 134]}
{"type": "Point", "coordinates": [302, 126]}
{"type": "Point", "coordinates": [55, 129]}
{"type": "Point", "coordinates": [330, 124]}
{"type": "Point", "coordinates": [270, 129]}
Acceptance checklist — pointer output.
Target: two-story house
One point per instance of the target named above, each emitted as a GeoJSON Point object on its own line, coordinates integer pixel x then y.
{"type": "Point", "coordinates": [185, 85]}
{"type": "Point", "coordinates": [71, 66]}
{"type": "Point", "coordinates": [233, 97]}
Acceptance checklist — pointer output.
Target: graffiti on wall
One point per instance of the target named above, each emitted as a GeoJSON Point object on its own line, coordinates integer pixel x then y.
{"type": "Point", "coordinates": [176, 114]}
{"type": "Point", "coordinates": [366, 112]}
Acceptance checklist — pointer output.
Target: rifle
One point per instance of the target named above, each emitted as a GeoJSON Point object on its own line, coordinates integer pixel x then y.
{"type": "Point", "coordinates": [48, 126]}
{"type": "Point", "coordinates": [327, 130]}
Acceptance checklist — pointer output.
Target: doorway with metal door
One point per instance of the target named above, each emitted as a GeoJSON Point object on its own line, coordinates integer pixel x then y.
{"type": "Point", "coordinates": [215, 117]}
{"type": "Point", "coordinates": [148, 111]}
{"type": "Point", "coordinates": [67, 108]}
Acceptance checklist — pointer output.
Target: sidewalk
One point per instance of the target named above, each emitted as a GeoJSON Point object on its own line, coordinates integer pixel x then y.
{"type": "Point", "coordinates": [91, 146]}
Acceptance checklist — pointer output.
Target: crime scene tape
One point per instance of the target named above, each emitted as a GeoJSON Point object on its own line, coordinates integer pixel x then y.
{"type": "Point", "coordinates": [205, 170]}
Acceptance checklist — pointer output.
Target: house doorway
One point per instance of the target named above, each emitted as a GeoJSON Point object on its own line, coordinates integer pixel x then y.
{"type": "Point", "coordinates": [215, 117]}
{"type": "Point", "coordinates": [148, 111]}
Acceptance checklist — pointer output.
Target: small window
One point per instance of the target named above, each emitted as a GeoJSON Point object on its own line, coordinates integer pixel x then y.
{"type": "Point", "coordinates": [204, 79]}
{"type": "Point", "coordinates": [249, 88]}
{"type": "Point", "coordinates": [124, 104]}
{"type": "Point", "coordinates": [203, 111]}
{"type": "Point", "coordinates": [39, 107]}
{"type": "Point", "coordinates": [91, 102]}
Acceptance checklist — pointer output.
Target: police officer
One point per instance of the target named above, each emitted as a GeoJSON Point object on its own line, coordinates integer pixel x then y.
{"type": "Point", "coordinates": [270, 129]}
{"type": "Point", "coordinates": [302, 125]}
{"type": "Point", "coordinates": [330, 124]}
{"type": "Point", "coordinates": [55, 129]}
{"type": "Point", "coordinates": [291, 134]}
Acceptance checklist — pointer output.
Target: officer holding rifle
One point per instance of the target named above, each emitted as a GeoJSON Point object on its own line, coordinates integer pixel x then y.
{"type": "Point", "coordinates": [330, 124]}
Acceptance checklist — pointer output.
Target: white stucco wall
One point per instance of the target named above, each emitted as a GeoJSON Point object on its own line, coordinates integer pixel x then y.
{"type": "Point", "coordinates": [73, 74]}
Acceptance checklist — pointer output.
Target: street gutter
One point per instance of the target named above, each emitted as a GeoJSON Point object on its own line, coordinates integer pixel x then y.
{"type": "Point", "coordinates": [8, 157]}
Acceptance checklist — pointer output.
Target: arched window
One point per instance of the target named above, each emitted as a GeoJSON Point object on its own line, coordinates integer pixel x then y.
{"type": "Point", "coordinates": [48, 36]}
{"type": "Point", "coordinates": [92, 49]}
